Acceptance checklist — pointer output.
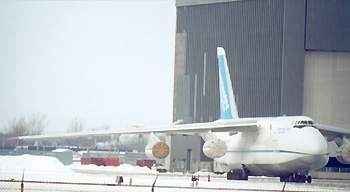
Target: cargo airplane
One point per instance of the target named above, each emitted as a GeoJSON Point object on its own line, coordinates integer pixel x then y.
{"type": "Point", "coordinates": [287, 146]}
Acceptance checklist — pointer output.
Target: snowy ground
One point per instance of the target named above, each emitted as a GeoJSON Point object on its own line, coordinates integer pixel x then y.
{"type": "Point", "coordinates": [94, 178]}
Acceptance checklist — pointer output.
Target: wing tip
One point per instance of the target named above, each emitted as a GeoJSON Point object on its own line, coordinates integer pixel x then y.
{"type": "Point", "coordinates": [13, 138]}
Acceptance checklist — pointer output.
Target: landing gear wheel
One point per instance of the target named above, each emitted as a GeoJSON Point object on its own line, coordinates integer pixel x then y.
{"type": "Point", "coordinates": [236, 175]}
{"type": "Point", "coordinates": [229, 175]}
{"type": "Point", "coordinates": [283, 179]}
{"type": "Point", "coordinates": [297, 178]}
{"type": "Point", "coordinates": [309, 179]}
{"type": "Point", "coordinates": [291, 178]}
{"type": "Point", "coordinates": [303, 179]}
{"type": "Point", "coordinates": [300, 178]}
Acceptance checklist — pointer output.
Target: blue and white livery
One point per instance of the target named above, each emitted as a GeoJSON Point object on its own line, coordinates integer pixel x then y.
{"type": "Point", "coordinates": [228, 108]}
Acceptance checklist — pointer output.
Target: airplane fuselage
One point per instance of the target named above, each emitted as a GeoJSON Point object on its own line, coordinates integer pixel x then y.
{"type": "Point", "coordinates": [281, 146]}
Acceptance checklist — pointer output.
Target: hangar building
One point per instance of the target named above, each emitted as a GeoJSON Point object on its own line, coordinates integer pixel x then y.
{"type": "Point", "coordinates": [286, 57]}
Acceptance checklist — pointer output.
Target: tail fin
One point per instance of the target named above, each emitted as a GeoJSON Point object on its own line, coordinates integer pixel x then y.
{"type": "Point", "coordinates": [228, 108]}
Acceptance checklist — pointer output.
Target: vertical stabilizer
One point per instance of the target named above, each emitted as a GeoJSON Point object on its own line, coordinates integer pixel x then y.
{"type": "Point", "coordinates": [228, 108]}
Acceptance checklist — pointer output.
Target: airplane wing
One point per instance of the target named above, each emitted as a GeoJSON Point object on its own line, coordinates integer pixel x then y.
{"type": "Point", "coordinates": [333, 132]}
{"type": "Point", "coordinates": [228, 122]}
{"type": "Point", "coordinates": [237, 125]}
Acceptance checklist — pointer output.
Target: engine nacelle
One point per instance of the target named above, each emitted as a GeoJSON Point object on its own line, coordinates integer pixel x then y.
{"type": "Point", "coordinates": [157, 150]}
{"type": "Point", "coordinates": [343, 154]}
{"type": "Point", "coordinates": [215, 148]}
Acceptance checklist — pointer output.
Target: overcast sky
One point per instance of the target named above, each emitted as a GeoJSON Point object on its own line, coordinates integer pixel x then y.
{"type": "Point", "coordinates": [105, 62]}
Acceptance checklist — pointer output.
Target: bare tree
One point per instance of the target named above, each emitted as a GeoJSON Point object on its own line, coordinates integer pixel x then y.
{"type": "Point", "coordinates": [76, 125]}
{"type": "Point", "coordinates": [36, 123]}
{"type": "Point", "coordinates": [32, 125]}
{"type": "Point", "coordinates": [17, 127]}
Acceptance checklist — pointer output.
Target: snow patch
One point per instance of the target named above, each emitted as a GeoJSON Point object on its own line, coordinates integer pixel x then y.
{"type": "Point", "coordinates": [34, 167]}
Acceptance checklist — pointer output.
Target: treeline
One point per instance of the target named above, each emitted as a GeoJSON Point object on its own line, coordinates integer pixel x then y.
{"type": "Point", "coordinates": [30, 125]}
{"type": "Point", "coordinates": [26, 125]}
{"type": "Point", "coordinates": [36, 124]}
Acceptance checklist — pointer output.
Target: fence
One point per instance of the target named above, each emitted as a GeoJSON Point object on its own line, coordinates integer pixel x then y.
{"type": "Point", "coordinates": [19, 185]}
{"type": "Point", "coordinates": [38, 186]}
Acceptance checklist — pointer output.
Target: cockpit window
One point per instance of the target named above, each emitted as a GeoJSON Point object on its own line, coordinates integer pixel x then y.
{"type": "Point", "coordinates": [303, 123]}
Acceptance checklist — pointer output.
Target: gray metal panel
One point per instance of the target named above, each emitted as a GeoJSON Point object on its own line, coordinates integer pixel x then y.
{"type": "Point", "coordinates": [327, 88]}
{"type": "Point", "coordinates": [252, 34]}
{"type": "Point", "coordinates": [181, 82]}
{"type": "Point", "coordinates": [328, 25]}
{"type": "Point", "coordinates": [179, 146]}
{"type": "Point", "coordinates": [183, 99]}
{"type": "Point", "coordinates": [293, 57]}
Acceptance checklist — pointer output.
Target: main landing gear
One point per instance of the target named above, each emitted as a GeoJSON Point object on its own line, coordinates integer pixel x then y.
{"type": "Point", "coordinates": [297, 178]}
{"type": "Point", "coordinates": [237, 175]}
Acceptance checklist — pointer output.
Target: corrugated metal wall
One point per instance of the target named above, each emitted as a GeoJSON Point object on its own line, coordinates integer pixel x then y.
{"type": "Point", "coordinates": [252, 34]}
{"type": "Point", "coordinates": [265, 42]}
{"type": "Point", "coordinates": [293, 57]}
{"type": "Point", "coordinates": [328, 25]}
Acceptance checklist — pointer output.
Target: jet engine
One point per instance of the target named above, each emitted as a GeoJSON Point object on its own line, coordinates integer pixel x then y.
{"type": "Point", "coordinates": [157, 150]}
{"type": "Point", "coordinates": [215, 148]}
{"type": "Point", "coordinates": [343, 154]}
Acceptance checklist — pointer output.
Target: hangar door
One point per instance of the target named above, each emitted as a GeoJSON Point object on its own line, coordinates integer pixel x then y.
{"type": "Point", "coordinates": [327, 87]}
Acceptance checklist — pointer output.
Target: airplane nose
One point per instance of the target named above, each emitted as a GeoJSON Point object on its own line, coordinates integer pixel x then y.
{"type": "Point", "coordinates": [313, 142]}
{"type": "Point", "coordinates": [316, 148]}
{"type": "Point", "coordinates": [307, 141]}
{"type": "Point", "coordinates": [308, 144]}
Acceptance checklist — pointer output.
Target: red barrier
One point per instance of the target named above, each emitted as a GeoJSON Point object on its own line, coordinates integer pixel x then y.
{"type": "Point", "coordinates": [85, 161]}
{"type": "Point", "coordinates": [147, 163]}
{"type": "Point", "coordinates": [111, 162]}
